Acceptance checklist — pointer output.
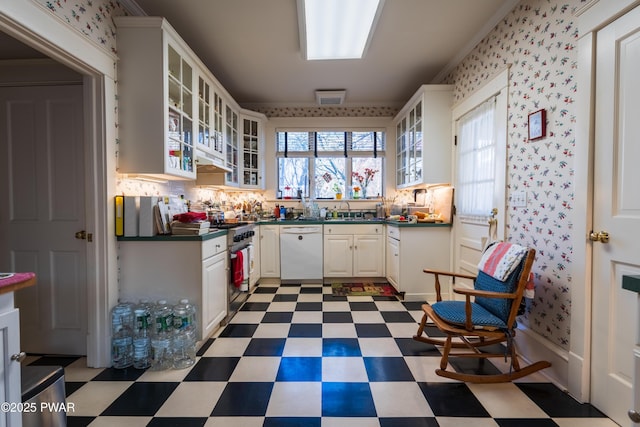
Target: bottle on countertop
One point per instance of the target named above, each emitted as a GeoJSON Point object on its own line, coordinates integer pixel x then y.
{"type": "Point", "coordinates": [283, 212]}
{"type": "Point", "coordinates": [276, 211]}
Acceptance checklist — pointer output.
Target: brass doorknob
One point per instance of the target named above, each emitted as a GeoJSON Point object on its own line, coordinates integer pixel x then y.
{"type": "Point", "coordinates": [602, 236]}
{"type": "Point", "coordinates": [81, 235]}
{"type": "Point", "coordinates": [634, 416]}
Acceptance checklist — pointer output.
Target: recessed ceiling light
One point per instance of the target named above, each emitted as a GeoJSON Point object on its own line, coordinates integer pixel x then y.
{"type": "Point", "coordinates": [337, 29]}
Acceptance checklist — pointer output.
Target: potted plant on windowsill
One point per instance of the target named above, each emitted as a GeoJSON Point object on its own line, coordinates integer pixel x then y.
{"type": "Point", "coordinates": [337, 188]}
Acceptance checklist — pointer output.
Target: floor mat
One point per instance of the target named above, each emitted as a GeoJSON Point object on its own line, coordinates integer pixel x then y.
{"type": "Point", "coordinates": [363, 289]}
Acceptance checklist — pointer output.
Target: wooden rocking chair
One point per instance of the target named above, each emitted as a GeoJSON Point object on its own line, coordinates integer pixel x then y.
{"type": "Point", "coordinates": [487, 320]}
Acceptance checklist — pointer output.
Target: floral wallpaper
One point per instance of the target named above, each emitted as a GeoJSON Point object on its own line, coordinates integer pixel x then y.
{"type": "Point", "coordinates": [91, 17]}
{"type": "Point", "coordinates": [538, 39]}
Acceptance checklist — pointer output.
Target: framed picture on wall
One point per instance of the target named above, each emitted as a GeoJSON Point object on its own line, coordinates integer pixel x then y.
{"type": "Point", "coordinates": [537, 125]}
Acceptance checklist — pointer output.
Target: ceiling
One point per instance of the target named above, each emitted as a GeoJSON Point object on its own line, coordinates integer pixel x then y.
{"type": "Point", "coordinates": [252, 47]}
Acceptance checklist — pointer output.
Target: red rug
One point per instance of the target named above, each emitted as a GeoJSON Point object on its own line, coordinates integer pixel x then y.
{"type": "Point", "coordinates": [363, 289]}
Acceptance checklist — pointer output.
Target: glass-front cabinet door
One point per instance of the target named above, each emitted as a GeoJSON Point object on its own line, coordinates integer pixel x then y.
{"type": "Point", "coordinates": [180, 113]}
{"type": "Point", "coordinates": [218, 126]}
{"type": "Point", "coordinates": [232, 148]}
{"type": "Point", "coordinates": [251, 144]}
{"type": "Point", "coordinates": [204, 140]}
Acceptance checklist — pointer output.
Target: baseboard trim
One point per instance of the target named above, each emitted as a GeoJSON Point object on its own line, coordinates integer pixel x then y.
{"type": "Point", "coordinates": [533, 347]}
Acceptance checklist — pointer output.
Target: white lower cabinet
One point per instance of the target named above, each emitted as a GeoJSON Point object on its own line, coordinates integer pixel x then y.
{"type": "Point", "coordinates": [412, 249]}
{"type": "Point", "coordinates": [354, 250]}
{"type": "Point", "coordinates": [173, 270]}
{"type": "Point", "coordinates": [270, 251]}
{"type": "Point", "coordinates": [10, 372]}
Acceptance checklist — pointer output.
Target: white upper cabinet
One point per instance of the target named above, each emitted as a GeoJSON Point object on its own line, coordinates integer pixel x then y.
{"type": "Point", "coordinates": [209, 138]}
{"type": "Point", "coordinates": [423, 137]}
{"type": "Point", "coordinates": [251, 140]}
{"type": "Point", "coordinates": [156, 99]}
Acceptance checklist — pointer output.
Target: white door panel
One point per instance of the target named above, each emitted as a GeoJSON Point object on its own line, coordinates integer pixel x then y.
{"type": "Point", "coordinates": [616, 211]}
{"type": "Point", "coordinates": [43, 186]}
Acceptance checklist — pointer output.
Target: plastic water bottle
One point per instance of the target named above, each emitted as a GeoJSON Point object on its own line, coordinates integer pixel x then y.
{"type": "Point", "coordinates": [122, 335]}
{"type": "Point", "coordinates": [161, 340]}
{"type": "Point", "coordinates": [142, 335]}
{"type": "Point", "coordinates": [184, 334]}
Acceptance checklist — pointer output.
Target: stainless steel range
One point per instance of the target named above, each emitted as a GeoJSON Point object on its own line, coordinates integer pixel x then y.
{"type": "Point", "coordinates": [240, 249]}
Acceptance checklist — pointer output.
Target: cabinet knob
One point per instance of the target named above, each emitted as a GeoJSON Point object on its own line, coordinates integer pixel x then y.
{"type": "Point", "coordinates": [634, 416]}
{"type": "Point", "coordinates": [18, 357]}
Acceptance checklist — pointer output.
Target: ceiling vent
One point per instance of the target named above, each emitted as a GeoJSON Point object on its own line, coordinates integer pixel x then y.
{"type": "Point", "coordinates": [330, 97]}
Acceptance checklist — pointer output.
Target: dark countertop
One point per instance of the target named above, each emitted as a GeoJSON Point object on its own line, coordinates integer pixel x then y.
{"type": "Point", "coordinates": [176, 238]}
{"type": "Point", "coordinates": [10, 282]}
{"type": "Point", "coordinates": [353, 221]}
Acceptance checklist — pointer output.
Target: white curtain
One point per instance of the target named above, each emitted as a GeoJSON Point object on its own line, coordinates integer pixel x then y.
{"type": "Point", "coordinates": [476, 160]}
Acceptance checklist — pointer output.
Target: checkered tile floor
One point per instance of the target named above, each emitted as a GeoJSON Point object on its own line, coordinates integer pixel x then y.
{"type": "Point", "coordinates": [298, 356]}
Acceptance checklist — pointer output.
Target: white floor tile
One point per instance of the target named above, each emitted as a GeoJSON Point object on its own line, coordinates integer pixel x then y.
{"type": "Point", "coordinates": [584, 422]}
{"type": "Point", "coordinates": [307, 317]}
{"type": "Point", "coordinates": [339, 330]}
{"type": "Point", "coordinates": [272, 330]}
{"type": "Point", "coordinates": [367, 317]}
{"type": "Point", "coordinates": [466, 421]}
{"type": "Point", "coordinates": [228, 347]}
{"type": "Point", "coordinates": [402, 330]}
{"type": "Point", "coordinates": [246, 317]}
{"type": "Point", "coordinates": [192, 399]}
{"type": "Point", "coordinates": [78, 371]}
{"type": "Point", "coordinates": [344, 369]}
{"type": "Point", "coordinates": [349, 422]}
{"type": "Point", "coordinates": [260, 298]}
{"type": "Point", "coordinates": [310, 298]}
{"type": "Point", "coordinates": [379, 347]}
{"type": "Point", "coordinates": [256, 369]}
{"type": "Point", "coordinates": [168, 375]}
{"type": "Point", "coordinates": [235, 422]}
{"type": "Point", "coordinates": [285, 399]}
{"type": "Point", "coordinates": [94, 397]}
{"type": "Point", "coordinates": [424, 369]}
{"type": "Point", "coordinates": [390, 306]}
{"type": "Point", "coordinates": [120, 421]}
{"type": "Point", "coordinates": [399, 399]}
{"type": "Point", "coordinates": [494, 396]}
{"type": "Point", "coordinates": [282, 306]}
{"type": "Point", "coordinates": [335, 306]}
{"type": "Point", "coordinates": [303, 347]}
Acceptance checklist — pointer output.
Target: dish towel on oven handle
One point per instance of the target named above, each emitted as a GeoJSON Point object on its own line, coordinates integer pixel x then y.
{"type": "Point", "coordinates": [238, 269]}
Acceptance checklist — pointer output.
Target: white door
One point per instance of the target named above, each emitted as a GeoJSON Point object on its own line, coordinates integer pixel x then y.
{"type": "Point", "coordinates": [42, 189]}
{"type": "Point", "coordinates": [10, 390]}
{"type": "Point", "coordinates": [472, 231]}
{"type": "Point", "coordinates": [616, 211]}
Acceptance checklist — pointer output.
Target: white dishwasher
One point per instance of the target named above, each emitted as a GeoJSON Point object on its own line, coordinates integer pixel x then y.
{"type": "Point", "coordinates": [301, 252]}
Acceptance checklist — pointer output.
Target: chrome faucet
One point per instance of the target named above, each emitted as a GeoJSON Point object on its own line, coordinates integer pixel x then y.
{"type": "Point", "coordinates": [348, 207]}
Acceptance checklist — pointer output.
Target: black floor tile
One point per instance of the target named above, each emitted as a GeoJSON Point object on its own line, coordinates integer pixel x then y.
{"type": "Point", "coordinates": [255, 306]}
{"type": "Point", "coordinates": [55, 361]}
{"type": "Point", "coordinates": [372, 330]}
{"type": "Point", "coordinates": [363, 306]}
{"type": "Point", "coordinates": [410, 422]}
{"type": "Point", "coordinates": [277, 317]}
{"type": "Point", "coordinates": [71, 387]}
{"type": "Point", "coordinates": [331, 297]}
{"type": "Point", "coordinates": [334, 347]}
{"type": "Point", "coordinates": [177, 422]}
{"type": "Point", "coordinates": [432, 331]}
{"type": "Point", "coordinates": [387, 369]}
{"type": "Point", "coordinates": [292, 422]}
{"type": "Point", "coordinates": [311, 290]}
{"type": "Point", "coordinates": [413, 305]}
{"type": "Point", "coordinates": [336, 317]}
{"type": "Point", "coordinates": [472, 366]}
{"type": "Point", "coordinates": [411, 347]}
{"type": "Point", "coordinates": [519, 422]}
{"type": "Point", "coordinates": [141, 399]}
{"type": "Point", "coordinates": [79, 421]}
{"type": "Point", "coordinates": [205, 346]}
{"type": "Point", "coordinates": [398, 317]}
{"type": "Point", "coordinates": [305, 330]}
{"type": "Point", "coordinates": [212, 369]}
{"type": "Point", "coordinates": [385, 298]}
{"type": "Point", "coordinates": [285, 298]}
{"type": "Point", "coordinates": [243, 399]}
{"type": "Point", "coordinates": [262, 289]}
{"type": "Point", "coordinates": [239, 330]}
{"type": "Point", "coordinates": [309, 306]}
{"type": "Point", "coordinates": [452, 400]}
{"type": "Point", "coordinates": [265, 347]}
{"type": "Point", "coordinates": [556, 403]}
{"type": "Point", "coordinates": [112, 374]}
{"type": "Point", "coordinates": [300, 369]}
{"type": "Point", "coordinates": [347, 400]}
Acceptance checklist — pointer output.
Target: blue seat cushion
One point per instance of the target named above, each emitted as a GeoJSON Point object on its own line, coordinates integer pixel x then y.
{"type": "Point", "coordinates": [453, 312]}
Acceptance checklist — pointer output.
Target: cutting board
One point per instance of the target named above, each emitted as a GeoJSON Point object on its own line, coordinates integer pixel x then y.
{"type": "Point", "coordinates": [443, 203]}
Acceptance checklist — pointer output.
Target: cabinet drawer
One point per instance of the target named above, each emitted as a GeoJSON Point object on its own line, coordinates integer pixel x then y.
{"type": "Point", "coordinates": [354, 229]}
{"type": "Point", "coordinates": [214, 246]}
{"type": "Point", "coordinates": [393, 232]}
